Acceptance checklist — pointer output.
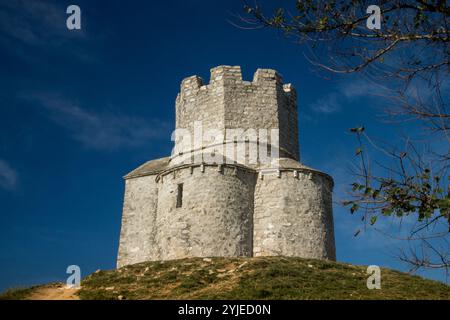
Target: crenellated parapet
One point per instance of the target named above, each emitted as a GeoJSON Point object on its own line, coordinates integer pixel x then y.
{"type": "Point", "coordinates": [229, 102]}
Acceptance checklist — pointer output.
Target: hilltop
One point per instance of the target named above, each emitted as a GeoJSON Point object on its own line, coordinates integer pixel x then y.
{"type": "Point", "coordinates": [240, 278]}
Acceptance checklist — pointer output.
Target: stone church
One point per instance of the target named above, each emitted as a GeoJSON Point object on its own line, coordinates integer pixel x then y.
{"type": "Point", "coordinates": [174, 208]}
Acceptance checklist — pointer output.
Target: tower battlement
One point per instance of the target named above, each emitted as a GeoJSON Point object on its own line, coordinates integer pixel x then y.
{"type": "Point", "coordinates": [228, 102]}
{"type": "Point", "coordinates": [231, 76]}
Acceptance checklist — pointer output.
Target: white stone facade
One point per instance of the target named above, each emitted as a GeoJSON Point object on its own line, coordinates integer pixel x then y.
{"type": "Point", "coordinates": [198, 209]}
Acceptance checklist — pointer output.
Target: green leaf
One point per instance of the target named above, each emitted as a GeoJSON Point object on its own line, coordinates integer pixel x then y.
{"type": "Point", "coordinates": [358, 151]}
{"type": "Point", "coordinates": [354, 208]}
{"type": "Point", "coordinates": [373, 219]}
{"type": "Point", "coordinates": [357, 130]}
{"type": "Point", "coordinates": [375, 194]}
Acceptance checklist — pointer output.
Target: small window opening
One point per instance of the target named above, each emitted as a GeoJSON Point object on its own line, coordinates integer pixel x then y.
{"type": "Point", "coordinates": [180, 195]}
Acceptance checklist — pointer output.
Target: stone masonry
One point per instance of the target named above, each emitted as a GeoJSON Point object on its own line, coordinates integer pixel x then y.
{"type": "Point", "coordinates": [174, 209]}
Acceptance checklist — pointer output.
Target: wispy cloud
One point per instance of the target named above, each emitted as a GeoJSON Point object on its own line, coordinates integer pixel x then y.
{"type": "Point", "coordinates": [365, 88]}
{"type": "Point", "coordinates": [101, 130]}
{"type": "Point", "coordinates": [39, 24]}
{"type": "Point", "coordinates": [26, 21]}
{"type": "Point", "coordinates": [8, 176]}
{"type": "Point", "coordinates": [347, 91]}
{"type": "Point", "coordinates": [355, 89]}
{"type": "Point", "coordinates": [327, 104]}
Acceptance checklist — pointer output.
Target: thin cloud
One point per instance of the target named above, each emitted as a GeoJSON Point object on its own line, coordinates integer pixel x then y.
{"type": "Point", "coordinates": [41, 26]}
{"type": "Point", "coordinates": [364, 88]}
{"type": "Point", "coordinates": [35, 23]}
{"type": "Point", "coordinates": [356, 89]}
{"type": "Point", "coordinates": [347, 91]}
{"type": "Point", "coordinates": [101, 131]}
{"type": "Point", "coordinates": [8, 176]}
{"type": "Point", "coordinates": [327, 105]}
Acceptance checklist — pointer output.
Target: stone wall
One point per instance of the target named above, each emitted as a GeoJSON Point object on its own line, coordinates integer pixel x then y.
{"type": "Point", "coordinates": [137, 236]}
{"type": "Point", "coordinates": [215, 218]}
{"type": "Point", "coordinates": [227, 210]}
{"type": "Point", "coordinates": [198, 102]}
{"type": "Point", "coordinates": [228, 102]}
{"type": "Point", "coordinates": [293, 215]}
{"type": "Point", "coordinates": [287, 120]}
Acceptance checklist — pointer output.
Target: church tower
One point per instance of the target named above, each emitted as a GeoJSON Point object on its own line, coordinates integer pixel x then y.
{"type": "Point", "coordinates": [193, 204]}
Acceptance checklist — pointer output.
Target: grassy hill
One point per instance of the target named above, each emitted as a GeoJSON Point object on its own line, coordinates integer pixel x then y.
{"type": "Point", "coordinates": [244, 278]}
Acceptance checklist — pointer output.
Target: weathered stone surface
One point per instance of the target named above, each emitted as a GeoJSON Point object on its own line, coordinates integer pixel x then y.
{"type": "Point", "coordinates": [229, 209]}
{"type": "Point", "coordinates": [137, 236]}
{"type": "Point", "coordinates": [216, 215]}
{"type": "Point", "coordinates": [227, 102]}
{"type": "Point", "coordinates": [292, 215]}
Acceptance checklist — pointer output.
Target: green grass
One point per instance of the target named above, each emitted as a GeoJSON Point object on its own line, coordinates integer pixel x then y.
{"type": "Point", "coordinates": [252, 278]}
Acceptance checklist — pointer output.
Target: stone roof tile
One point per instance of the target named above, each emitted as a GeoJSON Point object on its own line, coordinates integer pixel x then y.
{"type": "Point", "coordinates": [148, 168]}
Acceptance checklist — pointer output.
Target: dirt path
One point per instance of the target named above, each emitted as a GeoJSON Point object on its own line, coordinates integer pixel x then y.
{"type": "Point", "coordinates": [55, 292]}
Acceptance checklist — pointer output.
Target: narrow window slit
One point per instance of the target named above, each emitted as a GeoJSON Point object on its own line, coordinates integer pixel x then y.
{"type": "Point", "coordinates": [180, 195]}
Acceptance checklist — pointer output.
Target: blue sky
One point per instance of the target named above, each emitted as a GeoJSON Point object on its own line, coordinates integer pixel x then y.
{"type": "Point", "coordinates": [80, 109]}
